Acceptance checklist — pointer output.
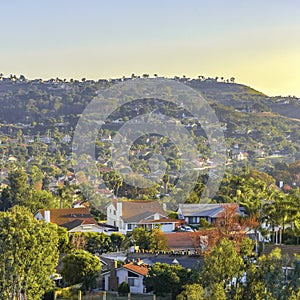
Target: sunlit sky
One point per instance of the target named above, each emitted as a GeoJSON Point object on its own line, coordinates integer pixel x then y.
{"type": "Point", "coordinates": [257, 41]}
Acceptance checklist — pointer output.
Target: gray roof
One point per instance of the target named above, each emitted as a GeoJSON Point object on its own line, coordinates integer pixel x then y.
{"type": "Point", "coordinates": [139, 217]}
{"type": "Point", "coordinates": [186, 262]}
{"type": "Point", "coordinates": [201, 210]}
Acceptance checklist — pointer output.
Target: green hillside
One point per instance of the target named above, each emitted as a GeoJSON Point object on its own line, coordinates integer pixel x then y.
{"type": "Point", "coordinates": [263, 127]}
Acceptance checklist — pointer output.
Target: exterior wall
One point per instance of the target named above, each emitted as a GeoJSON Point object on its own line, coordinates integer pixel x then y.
{"type": "Point", "coordinates": [122, 275]}
{"type": "Point", "coordinates": [168, 227]}
{"type": "Point", "coordinates": [114, 216]}
{"type": "Point", "coordinates": [165, 227]}
{"type": "Point", "coordinates": [138, 281]}
{"type": "Point", "coordinates": [87, 228]}
{"type": "Point", "coordinates": [106, 278]}
{"type": "Point", "coordinates": [39, 216]}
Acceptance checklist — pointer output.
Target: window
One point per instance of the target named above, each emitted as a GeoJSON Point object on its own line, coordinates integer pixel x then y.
{"type": "Point", "coordinates": [133, 281]}
{"type": "Point", "coordinates": [130, 226]}
{"type": "Point", "coordinates": [194, 220]}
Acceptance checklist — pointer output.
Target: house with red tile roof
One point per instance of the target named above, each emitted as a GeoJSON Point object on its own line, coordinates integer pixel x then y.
{"type": "Point", "coordinates": [127, 215]}
{"type": "Point", "coordinates": [132, 273]}
{"type": "Point", "coordinates": [73, 219]}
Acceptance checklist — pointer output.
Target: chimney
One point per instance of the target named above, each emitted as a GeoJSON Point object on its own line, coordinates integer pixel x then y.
{"type": "Point", "coordinates": [47, 216]}
{"type": "Point", "coordinates": [119, 208]}
{"type": "Point", "coordinates": [164, 206]}
{"type": "Point", "coordinates": [113, 281]}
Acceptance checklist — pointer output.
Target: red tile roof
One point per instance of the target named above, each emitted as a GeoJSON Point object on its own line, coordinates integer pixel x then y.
{"type": "Point", "coordinates": [180, 240]}
{"type": "Point", "coordinates": [70, 217]}
{"type": "Point", "coordinates": [139, 269]}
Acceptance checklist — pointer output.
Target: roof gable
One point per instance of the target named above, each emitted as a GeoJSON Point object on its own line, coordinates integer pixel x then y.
{"type": "Point", "coordinates": [141, 209]}
{"type": "Point", "coordinates": [138, 269]}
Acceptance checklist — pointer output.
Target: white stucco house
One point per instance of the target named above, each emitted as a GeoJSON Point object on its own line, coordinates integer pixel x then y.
{"type": "Point", "coordinates": [127, 215]}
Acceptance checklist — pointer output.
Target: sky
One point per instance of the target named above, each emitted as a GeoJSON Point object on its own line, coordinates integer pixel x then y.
{"type": "Point", "coordinates": [257, 41]}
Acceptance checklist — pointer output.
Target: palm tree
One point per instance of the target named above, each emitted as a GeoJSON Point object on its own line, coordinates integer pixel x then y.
{"type": "Point", "coordinates": [166, 180]}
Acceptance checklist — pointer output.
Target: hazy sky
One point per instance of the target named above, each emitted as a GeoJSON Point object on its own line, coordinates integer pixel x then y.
{"type": "Point", "coordinates": [255, 41]}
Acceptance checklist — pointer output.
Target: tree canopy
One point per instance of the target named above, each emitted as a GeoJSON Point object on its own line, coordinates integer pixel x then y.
{"type": "Point", "coordinates": [28, 254]}
{"type": "Point", "coordinates": [81, 267]}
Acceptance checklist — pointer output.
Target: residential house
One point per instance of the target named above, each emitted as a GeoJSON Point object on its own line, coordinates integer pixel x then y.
{"type": "Point", "coordinates": [73, 219]}
{"type": "Point", "coordinates": [192, 213]}
{"type": "Point", "coordinates": [240, 156]}
{"type": "Point", "coordinates": [127, 215]}
{"type": "Point", "coordinates": [132, 273]}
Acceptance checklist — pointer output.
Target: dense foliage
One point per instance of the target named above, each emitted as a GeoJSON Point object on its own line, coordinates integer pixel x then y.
{"type": "Point", "coordinates": [28, 254]}
{"type": "Point", "coordinates": [81, 267]}
{"type": "Point", "coordinates": [229, 274]}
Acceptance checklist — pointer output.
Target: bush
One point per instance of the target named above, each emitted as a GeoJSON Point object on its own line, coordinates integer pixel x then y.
{"type": "Point", "coordinates": [123, 289]}
{"type": "Point", "coordinates": [68, 293]}
{"type": "Point", "coordinates": [204, 223]}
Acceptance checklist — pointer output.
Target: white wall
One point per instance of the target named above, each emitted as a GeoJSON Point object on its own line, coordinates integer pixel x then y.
{"type": "Point", "coordinates": [122, 274]}
{"type": "Point", "coordinates": [138, 287]}
{"type": "Point", "coordinates": [114, 216]}
{"type": "Point", "coordinates": [87, 228]}
{"type": "Point", "coordinates": [168, 227]}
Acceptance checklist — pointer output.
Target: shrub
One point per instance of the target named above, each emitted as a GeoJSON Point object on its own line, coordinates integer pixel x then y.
{"type": "Point", "coordinates": [123, 289]}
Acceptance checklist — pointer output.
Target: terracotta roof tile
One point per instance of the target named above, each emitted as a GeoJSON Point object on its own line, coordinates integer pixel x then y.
{"type": "Point", "coordinates": [180, 240]}
{"type": "Point", "coordinates": [70, 217]}
{"type": "Point", "coordinates": [139, 269]}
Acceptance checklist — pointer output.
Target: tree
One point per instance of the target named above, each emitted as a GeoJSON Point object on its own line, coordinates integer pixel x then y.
{"type": "Point", "coordinates": [28, 254]}
{"type": "Point", "coordinates": [116, 241]}
{"type": "Point", "coordinates": [149, 240]}
{"type": "Point", "coordinates": [114, 181]}
{"type": "Point", "coordinates": [166, 279]}
{"type": "Point", "coordinates": [81, 267]}
{"type": "Point", "coordinates": [141, 238]}
{"type": "Point", "coordinates": [217, 292]}
{"type": "Point", "coordinates": [193, 291]}
{"type": "Point", "coordinates": [222, 265]}
{"type": "Point", "coordinates": [16, 193]}
{"type": "Point", "coordinates": [41, 200]}
{"type": "Point", "coordinates": [36, 178]}
{"type": "Point", "coordinates": [266, 280]}
{"type": "Point", "coordinates": [166, 180]}
{"type": "Point", "coordinates": [97, 242]}
{"type": "Point", "coordinates": [158, 240]}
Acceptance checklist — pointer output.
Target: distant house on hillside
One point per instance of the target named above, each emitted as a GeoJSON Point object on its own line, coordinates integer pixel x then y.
{"type": "Point", "coordinates": [73, 219]}
{"type": "Point", "coordinates": [127, 215]}
{"type": "Point", "coordinates": [240, 156]}
{"type": "Point", "coordinates": [192, 213]}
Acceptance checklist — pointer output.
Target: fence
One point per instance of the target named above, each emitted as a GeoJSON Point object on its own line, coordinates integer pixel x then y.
{"type": "Point", "coordinates": [115, 296]}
